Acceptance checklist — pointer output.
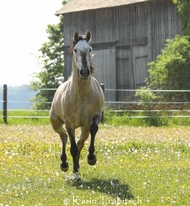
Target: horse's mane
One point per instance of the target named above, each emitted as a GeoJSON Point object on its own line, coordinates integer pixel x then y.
{"type": "Point", "coordinates": [71, 49]}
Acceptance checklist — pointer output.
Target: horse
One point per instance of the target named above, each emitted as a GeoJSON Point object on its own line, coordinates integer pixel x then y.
{"type": "Point", "coordinates": [78, 103]}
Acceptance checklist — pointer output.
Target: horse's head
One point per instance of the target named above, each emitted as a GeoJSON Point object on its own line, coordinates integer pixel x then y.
{"type": "Point", "coordinates": [82, 54]}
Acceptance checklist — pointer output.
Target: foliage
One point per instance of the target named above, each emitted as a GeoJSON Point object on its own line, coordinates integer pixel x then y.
{"type": "Point", "coordinates": [171, 69]}
{"type": "Point", "coordinates": [52, 71]}
{"type": "Point", "coordinates": [136, 166]}
{"type": "Point", "coordinates": [146, 96]}
{"type": "Point", "coordinates": [183, 7]}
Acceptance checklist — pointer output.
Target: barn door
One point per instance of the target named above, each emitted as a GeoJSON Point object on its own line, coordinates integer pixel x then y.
{"type": "Point", "coordinates": [105, 72]}
{"type": "Point", "coordinates": [124, 77]}
{"type": "Point", "coordinates": [131, 69]}
{"type": "Point", "coordinates": [140, 73]}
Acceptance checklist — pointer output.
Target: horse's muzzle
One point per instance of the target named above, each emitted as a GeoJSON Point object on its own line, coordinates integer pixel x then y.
{"type": "Point", "coordinates": [84, 73]}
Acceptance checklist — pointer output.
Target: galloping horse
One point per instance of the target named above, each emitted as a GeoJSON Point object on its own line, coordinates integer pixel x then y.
{"type": "Point", "coordinates": [78, 102]}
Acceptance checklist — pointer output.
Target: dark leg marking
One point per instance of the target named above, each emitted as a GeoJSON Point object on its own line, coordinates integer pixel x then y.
{"type": "Point", "coordinates": [93, 131]}
{"type": "Point", "coordinates": [73, 149]}
{"type": "Point", "coordinates": [57, 126]}
{"type": "Point", "coordinates": [74, 152]}
{"type": "Point", "coordinates": [64, 164]}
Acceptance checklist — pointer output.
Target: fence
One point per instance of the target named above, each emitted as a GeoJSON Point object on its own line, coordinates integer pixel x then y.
{"type": "Point", "coordinates": [130, 105]}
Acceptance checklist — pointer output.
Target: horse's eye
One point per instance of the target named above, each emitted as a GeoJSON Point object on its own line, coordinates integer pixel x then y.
{"type": "Point", "coordinates": [75, 50]}
{"type": "Point", "coordinates": [90, 50]}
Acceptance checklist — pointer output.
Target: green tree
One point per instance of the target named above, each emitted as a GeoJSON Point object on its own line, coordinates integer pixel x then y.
{"type": "Point", "coordinates": [183, 7]}
{"type": "Point", "coordinates": [52, 58]}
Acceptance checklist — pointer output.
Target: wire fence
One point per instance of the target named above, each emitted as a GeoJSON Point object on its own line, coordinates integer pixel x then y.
{"type": "Point", "coordinates": [129, 105]}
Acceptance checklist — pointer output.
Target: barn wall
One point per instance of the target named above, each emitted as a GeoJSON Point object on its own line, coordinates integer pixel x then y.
{"type": "Point", "coordinates": [105, 72]}
{"type": "Point", "coordinates": [136, 33]}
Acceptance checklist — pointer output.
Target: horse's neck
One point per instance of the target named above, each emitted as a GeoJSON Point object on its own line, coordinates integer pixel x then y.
{"type": "Point", "coordinates": [80, 87]}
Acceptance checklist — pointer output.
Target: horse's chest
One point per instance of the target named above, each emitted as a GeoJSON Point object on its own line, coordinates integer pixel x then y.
{"type": "Point", "coordinates": [80, 114]}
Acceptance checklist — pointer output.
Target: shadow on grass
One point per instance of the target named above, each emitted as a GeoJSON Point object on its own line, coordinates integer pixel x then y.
{"type": "Point", "coordinates": [110, 187]}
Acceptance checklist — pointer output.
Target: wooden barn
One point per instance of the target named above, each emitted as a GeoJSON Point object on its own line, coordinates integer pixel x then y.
{"type": "Point", "coordinates": [126, 35]}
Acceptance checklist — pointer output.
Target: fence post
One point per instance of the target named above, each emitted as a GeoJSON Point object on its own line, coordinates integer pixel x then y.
{"type": "Point", "coordinates": [102, 85]}
{"type": "Point", "coordinates": [5, 103]}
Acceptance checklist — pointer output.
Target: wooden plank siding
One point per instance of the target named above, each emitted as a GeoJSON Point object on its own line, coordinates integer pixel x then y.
{"type": "Point", "coordinates": [132, 34]}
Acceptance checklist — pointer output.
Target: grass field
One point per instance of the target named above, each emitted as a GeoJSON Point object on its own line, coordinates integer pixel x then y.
{"type": "Point", "coordinates": [34, 117]}
{"type": "Point", "coordinates": [136, 166]}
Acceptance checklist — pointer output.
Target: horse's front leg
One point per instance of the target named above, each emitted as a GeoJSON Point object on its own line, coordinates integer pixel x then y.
{"type": "Point", "coordinates": [57, 126]}
{"type": "Point", "coordinates": [64, 164]}
{"type": "Point", "coordinates": [73, 149]}
{"type": "Point", "coordinates": [93, 131]}
{"type": "Point", "coordinates": [84, 135]}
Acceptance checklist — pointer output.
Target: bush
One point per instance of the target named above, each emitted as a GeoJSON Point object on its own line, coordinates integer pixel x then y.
{"type": "Point", "coordinates": [146, 94]}
{"type": "Point", "coordinates": [171, 69]}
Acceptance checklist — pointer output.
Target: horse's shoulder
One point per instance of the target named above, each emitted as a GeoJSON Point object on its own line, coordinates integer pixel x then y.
{"type": "Point", "coordinates": [98, 92]}
{"type": "Point", "coordinates": [64, 86]}
{"type": "Point", "coordinates": [95, 82]}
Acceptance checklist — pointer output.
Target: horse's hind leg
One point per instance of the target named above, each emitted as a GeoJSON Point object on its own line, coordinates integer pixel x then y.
{"type": "Point", "coordinates": [93, 131]}
{"type": "Point", "coordinates": [57, 126]}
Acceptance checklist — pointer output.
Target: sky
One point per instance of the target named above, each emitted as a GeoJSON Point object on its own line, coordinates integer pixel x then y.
{"type": "Point", "coordinates": [23, 30]}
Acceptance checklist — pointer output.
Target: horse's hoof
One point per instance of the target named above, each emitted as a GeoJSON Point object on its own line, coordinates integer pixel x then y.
{"type": "Point", "coordinates": [63, 168]}
{"type": "Point", "coordinates": [91, 161]}
{"type": "Point", "coordinates": [77, 176]}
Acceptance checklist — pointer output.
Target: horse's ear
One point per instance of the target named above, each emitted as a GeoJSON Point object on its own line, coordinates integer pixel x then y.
{"type": "Point", "coordinates": [75, 36]}
{"type": "Point", "coordinates": [88, 35]}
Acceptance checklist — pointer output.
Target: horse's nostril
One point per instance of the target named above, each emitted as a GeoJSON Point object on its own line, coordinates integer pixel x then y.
{"type": "Point", "coordinates": [84, 73]}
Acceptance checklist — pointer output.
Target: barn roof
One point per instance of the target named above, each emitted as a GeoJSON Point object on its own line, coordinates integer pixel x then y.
{"type": "Point", "coordinates": [82, 5]}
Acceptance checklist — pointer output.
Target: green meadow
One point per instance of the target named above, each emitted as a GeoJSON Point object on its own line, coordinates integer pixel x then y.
{"type": "Point", "coordinates": [135, 166]}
